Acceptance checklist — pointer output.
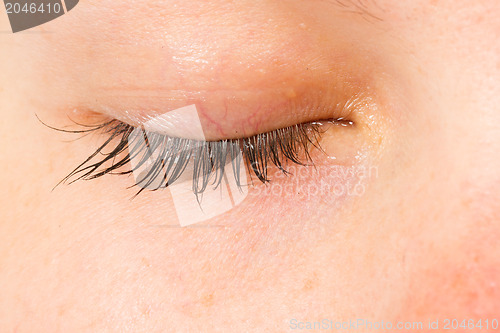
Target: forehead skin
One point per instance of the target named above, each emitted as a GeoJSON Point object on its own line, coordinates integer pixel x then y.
{"type": "Point", "coordinates": [420, 244]}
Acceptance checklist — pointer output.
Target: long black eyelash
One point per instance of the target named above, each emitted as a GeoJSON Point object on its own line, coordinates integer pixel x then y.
{"type": "Point", "coordinates": [209, 158]}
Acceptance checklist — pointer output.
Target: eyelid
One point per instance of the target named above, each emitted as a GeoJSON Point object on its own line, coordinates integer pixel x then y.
{"type": "Point", "coordinates": [240, 113]}
{"type": "Point", "coordinates": [275, 148]}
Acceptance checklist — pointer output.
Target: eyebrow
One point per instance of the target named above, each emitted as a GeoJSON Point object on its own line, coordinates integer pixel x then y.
{"type": "Point", "coordinates": [368, 9]}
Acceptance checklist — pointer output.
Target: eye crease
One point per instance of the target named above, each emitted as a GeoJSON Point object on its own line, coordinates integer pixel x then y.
{"type": "Point", "coordinates": [167, 157]}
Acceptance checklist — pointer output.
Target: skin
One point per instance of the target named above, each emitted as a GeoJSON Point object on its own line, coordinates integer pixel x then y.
{"type": "Point", "coordinates": [418, 243]}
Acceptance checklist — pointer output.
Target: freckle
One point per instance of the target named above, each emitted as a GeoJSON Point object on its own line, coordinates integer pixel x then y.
{"type": "Point", "coordinates": [308, 284]}
{"type": "Point", "coordinates": [61, 310]}
{"type": "Point", "coordinates": [146, 311]}
{"type": "Point", "coordinates": [145, 262]}
{"type": "Point", "coordinates": [207, 300]}
{"type": "Point", "coordinates": [291, 93]}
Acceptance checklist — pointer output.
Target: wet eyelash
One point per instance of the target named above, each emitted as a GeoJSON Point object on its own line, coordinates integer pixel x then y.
{"type": "Point", "coordinates": [209, 158]}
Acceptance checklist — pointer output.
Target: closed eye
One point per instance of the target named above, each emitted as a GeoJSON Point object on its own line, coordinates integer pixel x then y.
{"type": "Point", "coordinates": [128, 149]}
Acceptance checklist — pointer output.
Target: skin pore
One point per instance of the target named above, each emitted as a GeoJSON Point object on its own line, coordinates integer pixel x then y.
{"type": "Point", "coordinates": [416, 240]}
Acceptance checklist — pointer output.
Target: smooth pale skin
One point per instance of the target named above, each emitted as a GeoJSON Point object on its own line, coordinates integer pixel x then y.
{"type": "Point", "coordinates": [419, 243]}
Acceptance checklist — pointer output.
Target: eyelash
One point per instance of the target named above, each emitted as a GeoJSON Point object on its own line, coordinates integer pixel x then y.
{"type": "Point", "coordinates": [278, 147]}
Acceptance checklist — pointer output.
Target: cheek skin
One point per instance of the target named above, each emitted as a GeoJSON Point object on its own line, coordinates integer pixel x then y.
{"type": "Point", "coordinates": [455, 287]}
{"type": "Point", "coordinates": [465, 267]}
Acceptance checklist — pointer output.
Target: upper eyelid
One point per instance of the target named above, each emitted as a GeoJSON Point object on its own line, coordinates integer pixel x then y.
{"type": "Point", "coordinates": [274, 147]}
{"type": "Point", "coordinates": [244, 113]}
{"type": "Point", "coordinates": [120, 84]}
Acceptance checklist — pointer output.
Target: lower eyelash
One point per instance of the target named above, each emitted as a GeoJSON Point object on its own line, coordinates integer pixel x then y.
{"type": "Point", "coordinates": [290, 144]}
